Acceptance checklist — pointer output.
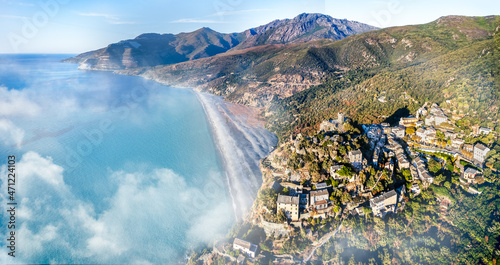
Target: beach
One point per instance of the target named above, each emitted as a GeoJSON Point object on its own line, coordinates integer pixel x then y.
{"type": "Point", "coordinates": [242, 141]}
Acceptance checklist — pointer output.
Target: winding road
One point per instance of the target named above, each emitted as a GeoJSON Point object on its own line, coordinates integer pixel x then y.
{"type": "Point", "coordinates": [322, 241]}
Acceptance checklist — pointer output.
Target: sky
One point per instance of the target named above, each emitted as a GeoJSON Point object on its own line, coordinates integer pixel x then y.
{"type": "Point", "coordinates": [70, 26]}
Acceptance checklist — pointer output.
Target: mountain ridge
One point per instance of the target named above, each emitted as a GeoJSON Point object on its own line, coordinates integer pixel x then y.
{"type": "Point", "coordinates": [288, 79]}
{"type": "Point", "coordinates": [291, 81]}
{"type": "Point", "coordinates": [152, 49]}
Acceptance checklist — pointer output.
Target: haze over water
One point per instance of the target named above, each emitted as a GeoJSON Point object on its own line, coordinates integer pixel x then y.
{"type": "Point", "coordinates": [110, 168]}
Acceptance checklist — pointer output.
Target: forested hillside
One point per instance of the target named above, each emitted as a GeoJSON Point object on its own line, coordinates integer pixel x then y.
{"type": "Point", "coordinates": [428, 63]}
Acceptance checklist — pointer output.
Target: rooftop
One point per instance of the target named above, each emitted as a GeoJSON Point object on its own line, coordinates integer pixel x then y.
{"type": "Point", "coordinates": [481, 147]}
{"type": "Point", "coordinates": [336, 167]}
{"type": "Point", "coordinates": [319, 192]}
{"type": "Point", "coordinates": [471, 170]}
{"type": "Point", "coordinates": [321, 185]}
{"type": "Point", "coordinates": [355, 152]}
{"type": "Point", "coordinates": [285, 199]}
{"type": "Point", "coordinates": [243, 243]}
{"type": "Point", "coordinates": [320, 202]}
{"type": "Point", "coordinates": [384, 196]}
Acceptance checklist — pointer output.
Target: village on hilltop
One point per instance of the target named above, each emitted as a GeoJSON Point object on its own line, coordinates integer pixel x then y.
{"type": "Point", "coordinates": [371, 169]}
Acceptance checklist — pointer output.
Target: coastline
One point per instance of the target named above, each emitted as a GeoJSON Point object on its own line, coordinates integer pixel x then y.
{"type": "Point", "coordinates": [241, 141]}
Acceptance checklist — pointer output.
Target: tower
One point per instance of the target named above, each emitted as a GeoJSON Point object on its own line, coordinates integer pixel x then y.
{"type": "Point", "coordinates": [340, 118]}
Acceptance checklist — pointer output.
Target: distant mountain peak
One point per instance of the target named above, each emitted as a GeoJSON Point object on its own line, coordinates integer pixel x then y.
{"type": "Point", "coordinates": [205, 29]}
{"type": "Point", "coordinates": [304, 27]}
{"type": "Point", "coordinates": [151, 49]}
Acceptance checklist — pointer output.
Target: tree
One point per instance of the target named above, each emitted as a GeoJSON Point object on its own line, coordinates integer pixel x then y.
{"type": "Point", "coordinates": [496, 165]}
{"type": "Point", "coordinates": [370, 182]}
{"type": "Point", "coordinates": [447, 185]}
{"type": "Point", "coordinates": [264, 246]}
{"type": "Point", "coordinates": [334, 182]}
{"type": "Point", "coordinates": [281, 216]}
{"type": "Point", "coordinates": [440, 178]}
{"type": "Point", "coordinates": [268, 198]}
{"type": "Point", "coordinates": [342, 150]}
{"type": "Point", "coordinates": [434, 166]}
{"type": "Point", "coordinates": [410, 130]}
{"type": "Point", "coordinates": [345, 171]}
{"type": "Point", "coordinates": [314, 168]}
{"type": "Point", "coordinates": [487, 172]}
{"type": "Point", "coordinates": [345, 198]}
{"type": "Point", "coordinates": [407, 174]}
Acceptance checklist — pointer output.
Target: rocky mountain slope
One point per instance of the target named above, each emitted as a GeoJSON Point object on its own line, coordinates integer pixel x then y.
{"type": "Point", "coordinates": [256, 75]}
{"type": "Point", "coordinates": [162, 49]}
{"type": "Point", "coordinates": [369, 76]}
{"type": "Point", "coordinates": [302, 28]}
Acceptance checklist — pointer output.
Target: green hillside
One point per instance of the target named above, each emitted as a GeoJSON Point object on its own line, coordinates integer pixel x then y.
{"type": "Point", "coordinates": [447, 62]}
{"type": "Point", "coordinates": [451, 61]}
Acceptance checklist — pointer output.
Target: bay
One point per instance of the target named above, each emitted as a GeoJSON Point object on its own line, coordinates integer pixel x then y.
{"type": "Point", "coordinates": [110, 168]}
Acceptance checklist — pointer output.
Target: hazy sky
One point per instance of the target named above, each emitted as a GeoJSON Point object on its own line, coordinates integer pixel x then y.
{"type": "Point", "coordinates": [70, 26]}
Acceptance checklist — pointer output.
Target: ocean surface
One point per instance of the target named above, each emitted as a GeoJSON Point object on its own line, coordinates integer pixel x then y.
{"type": "Point", "coordinates": [109, 168]}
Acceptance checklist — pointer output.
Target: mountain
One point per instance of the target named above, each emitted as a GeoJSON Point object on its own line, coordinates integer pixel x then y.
{"type": "Point", "coordinates": [162, 49]}
{"type": "Point", "coordinates": [448, 60]}
{"type": "Point", "coordinates": [152, 49]}
{"type": "Point", "coordinates": [302, 28]}
{"type": "Point", "coordinates": [452, 61]}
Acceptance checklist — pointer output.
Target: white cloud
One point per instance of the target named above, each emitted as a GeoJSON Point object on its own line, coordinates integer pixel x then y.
{"type": "Point", "coordinates": [111, 19]}
{"type": "Point", "coordinates": [194, 20]}
{"type": "Point", "coordinates": [237, 12]}
{"type": "Point", "coordinates": [25, 213]}
{"type": "Point", "coordinates": [122, 22]}
{"type": "Point", "coordinates": [10, 134]}
{"type": "Point", "coordinates": [26, 235]}
{"type": "Point", "coordinates": [36, 240]}
{"type": "Point", "coordinates": [213, 227]}
{"type": "Point", "coordinates": [15, 102]}
{"type": "Point", "coordinates": [219, 14]}
{"type": "Point", "coordinates": [32, 167]}
{"type": "Point", "coordinates": [143, 221]}
{"type": "Point", "coordinates": [108, 16]}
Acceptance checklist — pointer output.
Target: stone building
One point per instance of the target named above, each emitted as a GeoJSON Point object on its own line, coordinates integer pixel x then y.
{"type": "Point", "coordinates": [289, 205]}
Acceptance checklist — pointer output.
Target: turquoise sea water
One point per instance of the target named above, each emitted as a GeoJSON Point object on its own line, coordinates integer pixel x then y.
{"type": "Point", "coordinates": [110, 168]}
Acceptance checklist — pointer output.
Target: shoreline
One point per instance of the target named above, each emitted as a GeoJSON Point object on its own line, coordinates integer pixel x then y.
{"type": "Point", "coordinates": [240, 142]}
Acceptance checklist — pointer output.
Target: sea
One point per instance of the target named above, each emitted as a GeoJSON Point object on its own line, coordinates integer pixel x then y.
{"type": "Point", "coordinates": [108, 168]}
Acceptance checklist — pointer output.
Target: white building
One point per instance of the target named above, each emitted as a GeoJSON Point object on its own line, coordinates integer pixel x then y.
{"type": "Point", "coordinates": [470, 174]}
{"type": "Point", "coordinates": [245, 247]}
{"type": "Point", "coordinates": [422, 171]}
{"type": "Point", "coordinates": [480, 151]}
{"type": "Point", "coordinates": [356, 158]}
{"type": "Point", "coordinates": [333, 172]}
{"type": "Point", "coordinates": [319, 199]}
{"type": "Point", "coordinates": [457, 143]}
{"type": "Point", "coordinates": [421, 133]}
{"type": "Point", "coordinates": [398, 132]}
{"type": "Point", "coordinates": [429, 120]}
{"type": "Point", "coordinates": [384, 203]}
{"type": "Point", "coordinates": [484, 130]}
{"type": "Point", "coordinates": [438, 119]}
{"type": "Point", "coordinates": [415, 189]}
{"type": "Point", "coordinates": [333, 125]}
